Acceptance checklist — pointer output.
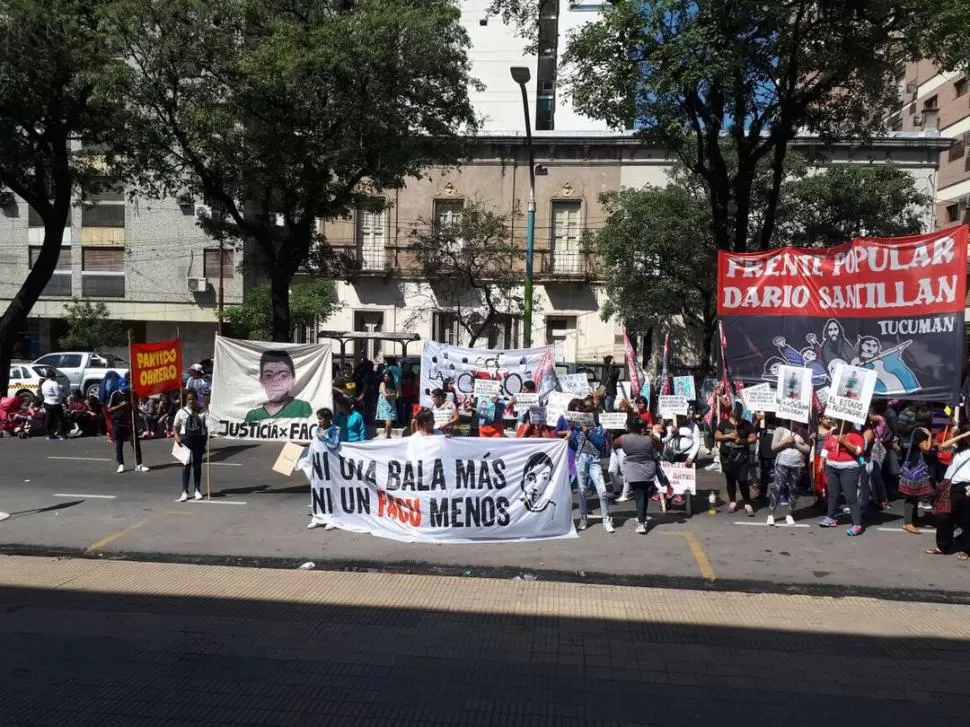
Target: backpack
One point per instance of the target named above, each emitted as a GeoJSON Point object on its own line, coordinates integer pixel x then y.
{"type": "Point", "coordinates": [676, 448]}
{"type": "Point", "coordinates": [914, 475]}
{"type": "Point", "coordinates": [194, 426]}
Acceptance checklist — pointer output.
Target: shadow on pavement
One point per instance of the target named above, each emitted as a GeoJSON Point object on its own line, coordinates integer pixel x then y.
{"type": "Point", "coordinates": [49, 508]}
{"type": "Point", "coordinates": [87, 657]}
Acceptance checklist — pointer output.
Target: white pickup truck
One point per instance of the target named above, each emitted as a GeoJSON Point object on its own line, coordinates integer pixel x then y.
{"type": "Point", "coordinates": [85, 370]}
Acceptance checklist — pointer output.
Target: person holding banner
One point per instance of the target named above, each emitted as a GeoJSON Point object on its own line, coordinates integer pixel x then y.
{"type": "Point", "coordinates": [842, 452]}
{"type": "Point", "coordinates": [589, 444]}
{"type": "Point", "coordinates": [735, 436]}
{"type": "Point", "coordinates": [491, 413]}
{"type": "Point", "coordinates": [350, 421]}
{"type": "Point", "coordinates": [682, 443]}
{"type": "Point", "coordinates": [190, 432]}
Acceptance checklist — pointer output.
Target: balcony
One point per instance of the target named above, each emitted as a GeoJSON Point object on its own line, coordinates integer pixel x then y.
{"type": "Point", "coordinates": [357, 261]}
{"type": "Point", "coordinates": [572, 265]}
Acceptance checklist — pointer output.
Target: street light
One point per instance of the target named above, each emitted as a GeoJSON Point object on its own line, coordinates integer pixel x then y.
{"type": "Point", "coordinates": [521, 75]}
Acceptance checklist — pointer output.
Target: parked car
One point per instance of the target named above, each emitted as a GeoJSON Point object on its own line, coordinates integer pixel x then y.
{"type": "Point", "coordinates": [26, 378]}
{"type": "Point", "coordinates": [85, 370]}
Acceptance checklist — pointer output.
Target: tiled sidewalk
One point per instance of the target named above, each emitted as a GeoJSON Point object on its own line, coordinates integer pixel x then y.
{"type": "Point", "coordinates": [115, 643]}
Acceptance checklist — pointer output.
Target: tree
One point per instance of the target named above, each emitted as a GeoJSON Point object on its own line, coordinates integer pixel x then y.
{"type": "Point", "coordinates": [690, 75]}
{"type": "Point", "coordinates": [280, 113]}
{"type": "Point", "coordinates": [57, 72]}
{"type": "Point", "coordinates": [89, 327]}
{"type": "Point", "coordinates": [471, 263]}
{"type": "Point", "coordinates": [310, 303]}
{"type": "Point", "coordinates": [659, 251]}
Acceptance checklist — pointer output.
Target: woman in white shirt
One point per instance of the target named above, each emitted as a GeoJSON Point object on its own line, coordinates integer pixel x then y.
{"type": "Point", "coordinates": [682, 443]}
{"type": "Point", "coordinates": [952, 509]}
{"type": "Point", "coordinates": [189, 431]}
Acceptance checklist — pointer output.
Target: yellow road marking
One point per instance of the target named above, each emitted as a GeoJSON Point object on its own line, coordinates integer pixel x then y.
{"type": "Point", "coordinates": [700, 557]}
{"type": "Point", "coordinates": [110, 538]}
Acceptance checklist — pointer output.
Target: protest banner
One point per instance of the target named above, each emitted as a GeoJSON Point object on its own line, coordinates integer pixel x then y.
{"type": "Point", "coordinates": [758, 398]}
{"type": "Point", "coordinates": [794, 396]}
{"type": "Point", "coordinates": [671, 405]}
{"type": "Point", "coordinates": [511, 368]}
{"type": "Point", "coordinates": [894, 306]}
{"type": "Point", "coordinates": [682, 479]}
{"type": "Point", "coordinates": [684, 386]}
{"type": "Point", "coordinates": [441, 489]}
{"type": "Point", "coordinates": [156, 368]}
{"type": "Point", "coordinates": [851, 393]}
{"type": "Point", "coordinates": [613, 420]}
{"type": "Point", "coordinates": [269, 391]}
{"type": "Point", "coordinates": [577, 384]}
{"type": "Point", "coordinates": [487, 389]}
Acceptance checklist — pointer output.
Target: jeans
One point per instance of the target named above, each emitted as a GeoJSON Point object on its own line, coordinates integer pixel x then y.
{"type": "Point", "coordinates": [641, 492]}
{"type": "Point", "coordinates": [736, 476]}
{"type": "Point", "coordinates": [609, 401]}
{"type": "Point", "coordinates": [196, 445]}
{"type": "Point", "coordinates": [588, 467]}
{"type": "Point", "coordinates": [872, 488]}
{"type": "Point", "coordinates": [846, 481]}
{"type": "Point", "coordinates": [54, 420]}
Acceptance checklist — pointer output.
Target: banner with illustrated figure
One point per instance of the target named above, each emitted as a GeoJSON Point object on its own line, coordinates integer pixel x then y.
{"type": "Point", "coordinates": [512, 368]}
{"type": "Point", "coordinates": [268, 391]}
{"type": "Point", "coordinates": [156, 368]}
{"type": "Point", "coordinates": [443, 489]}
{"type": "Point", "coordinates": [894, 306]}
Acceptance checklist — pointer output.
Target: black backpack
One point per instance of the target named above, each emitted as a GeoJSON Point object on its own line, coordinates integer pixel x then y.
{"type": "Point", "coordinates": [194, 426]}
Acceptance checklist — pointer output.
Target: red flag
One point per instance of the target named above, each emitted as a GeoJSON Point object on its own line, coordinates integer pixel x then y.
{"type": "Point", "coordinates": [636, 373]}
{"type": "Point", "coordinates": [665, 382]}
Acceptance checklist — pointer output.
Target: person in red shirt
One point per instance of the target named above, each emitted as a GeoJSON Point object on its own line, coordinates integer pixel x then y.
{"type": "Point", "coordinates": [842, 451]}
{"type": "Point", "coordinates": [643, 411]}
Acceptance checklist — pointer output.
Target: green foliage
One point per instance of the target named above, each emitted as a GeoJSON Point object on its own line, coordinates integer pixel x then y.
{"type": "Point", "coordinates": [89, 327]}
{"type": "Point", "coordinates": [474, 266]}
{"type": "Point", "coordinates": [310, 303]}
{"type": "Point", "coordinates": [281, 113]}
{"type": "Point", "coordinates": [659, 251]}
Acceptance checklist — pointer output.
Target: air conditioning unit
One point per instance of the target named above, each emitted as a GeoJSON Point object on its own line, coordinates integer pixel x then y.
{"type": "Point", "coordinates": [198, 285]}
{"type": "Point", "coordinates": [203, 211]}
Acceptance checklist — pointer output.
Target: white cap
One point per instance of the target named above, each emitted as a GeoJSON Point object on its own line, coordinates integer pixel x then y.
{"type": "Point", "coordinates": [195, 367]}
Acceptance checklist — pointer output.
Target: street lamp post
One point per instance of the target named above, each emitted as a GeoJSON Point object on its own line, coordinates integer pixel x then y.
{"type": "Point", "coordinates": [521, 75]}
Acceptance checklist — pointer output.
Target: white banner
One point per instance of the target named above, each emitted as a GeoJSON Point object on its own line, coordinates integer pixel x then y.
{"type": "Point", "coordinates": [794, 394]}
{"type": "Point", "coordinates": [268, 391]}
{"type": "Point", "coordinates": [512, 368]}
{"type": "Point", "coordinates": [851, 393]}
{"type": "Point", "coordinates": [441, 489]}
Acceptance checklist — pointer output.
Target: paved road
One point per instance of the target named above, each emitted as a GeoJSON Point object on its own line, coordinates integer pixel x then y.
{"type": "Point", "coordinates": [65, 496]}
{"type": "Point", "coordinates": [104, 643]}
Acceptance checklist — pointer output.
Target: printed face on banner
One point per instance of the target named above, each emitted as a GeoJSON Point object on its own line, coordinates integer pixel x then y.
{"type": "Point", "coordinates": [510, 369]}
{"type": "Point", "coordinates": [684, 386]}
{"type": "Point", "coordinates": [269, 391]}
{"type": "Point", "coordinates": [851, 394]}
{"type": "Point", "coordinates": [893, 306]}
{"type": "Point", "coordinates": [794, 394]}
{"type": "Point", "coordinates": [438, 489]}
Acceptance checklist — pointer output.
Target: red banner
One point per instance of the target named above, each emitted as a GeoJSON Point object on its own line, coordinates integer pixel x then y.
{"type": "Point", "coordinates": [866, 278]}
{"type": "Point", "coordinates": [156, 368]}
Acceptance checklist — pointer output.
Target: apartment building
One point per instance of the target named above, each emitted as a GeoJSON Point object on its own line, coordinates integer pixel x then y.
{"type": "Point", "coordinates": [932, 101]}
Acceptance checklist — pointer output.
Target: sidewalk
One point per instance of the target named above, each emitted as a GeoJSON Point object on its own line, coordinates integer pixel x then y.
{"type": "Point", "coordinates": [109, 642]}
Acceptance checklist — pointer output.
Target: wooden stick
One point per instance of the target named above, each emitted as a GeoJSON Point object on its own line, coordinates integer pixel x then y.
{"type": "Point", "coordinates": [178, 336]}
{"type": "Point", "coordinates": [208, 468]}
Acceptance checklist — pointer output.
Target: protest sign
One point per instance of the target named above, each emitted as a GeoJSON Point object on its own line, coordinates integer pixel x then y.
{"type": "Point", "coordinates": [682, 479]}
{"type": "Point", "coordinates": [511, 368]}
{"type": "Point", "coordinates": [759, 398]}
{"type": "Point", "coordinates": [613, 420]}
{"type": "Point", "coordinates": [556, 405]}
{"type": "Point", "coordinates": [442, 416]}
{"type": "Point", "coordinates": [851, 394]}
{"type": "Point", "coordinates": [524, 401]}
{"type": "Point", "coordinates": [684, 386]}
{"type": "Point", "coordinates": [156, 368]}
{"type": "Point", "coordinates": [486, 389]}
{"type": "Point", "coordinates": [538, 415]}
{"type": "Point", "coordinates": [583, 418]}
{"type": "Point", "coordinates": [577, 384]}
{"type": "Point", "coordinates": [287, 459]}
{"type": "Point", "coordinates": [894, 306]}
{"type": "Point", "coordinates": [794, 397]}
{"type": "Point", "coordinates": [441, 489]}
{"type": "Point", "coordinates": [268, 391]}
{"type": "Point", "coordinates": [670, 405]}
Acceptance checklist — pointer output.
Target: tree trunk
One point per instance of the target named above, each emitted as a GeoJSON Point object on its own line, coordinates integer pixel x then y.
{"type": "Point", "coordinates": [280, 296]}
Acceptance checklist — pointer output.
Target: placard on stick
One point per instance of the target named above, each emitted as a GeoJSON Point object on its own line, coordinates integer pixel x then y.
{"type": "Point", "coordinates": [487, 389]}
{"type": "Point", "coordinates": [670, 405]}
{"type": "Point", "coordinates": [759, 398]}
{"type": "Point", "coordinates": [794, 394]}
{"type": "Point", "coordinates": [613, 420]}
{"type": "Point", "coordinates": [851, 393]}
{"type": "Point", "coordinates": [684, 386]}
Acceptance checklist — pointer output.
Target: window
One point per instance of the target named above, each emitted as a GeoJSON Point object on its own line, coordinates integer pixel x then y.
{"type": "Point", "coordinates": [445, 328]}
{"type": "Point", "coordinates": [34, 220]}
{"type": "Point", "coordinates": [447, 216]}
{"type": "Point", "coordinates": [103, 214]}
{"type": "Point", "coordinates": [103, 272]}
{"type": "Point", "coordinates": [567, 257]}
{"type": "Point", "coordinates": [16, 373]}
{"type": "Point", "coordinates": [371, 235]}
{"type": "Point", "coordinates": [960, 87]}
{"type": "Point", "coordinates": [952, 213]}
{"type": "Point", "coordinates": [545, 113]}
{"type": "Point", "coordinates": [560, 333]}
{"type": "Point", "coordinates": [930, 103]}
{"type": "Point", "coordinates": [210, 264]}
{"type": "Point", "coordinates": [60, 282]}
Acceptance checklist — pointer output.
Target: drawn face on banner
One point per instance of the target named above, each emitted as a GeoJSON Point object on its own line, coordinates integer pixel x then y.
{"type": "Point", "coordinates": [536, 479]}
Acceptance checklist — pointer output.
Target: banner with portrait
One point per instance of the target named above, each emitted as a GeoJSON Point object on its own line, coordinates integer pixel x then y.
{"type": "Point", "coordinates": [443, 490]}
{"type": "Point", "coordinates": [268, 391]}
{"type": "Point", "coordinates": [511, 367]}
{"type": "Point", "coordinates": [892, 305]}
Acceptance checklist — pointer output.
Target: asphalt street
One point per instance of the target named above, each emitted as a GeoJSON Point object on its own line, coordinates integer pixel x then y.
{"type": "Point", "coordinates": [65, 497]}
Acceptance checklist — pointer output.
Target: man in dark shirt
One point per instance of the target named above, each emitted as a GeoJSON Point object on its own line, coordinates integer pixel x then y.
{"type": "Point", "coordinates": [611, 378]}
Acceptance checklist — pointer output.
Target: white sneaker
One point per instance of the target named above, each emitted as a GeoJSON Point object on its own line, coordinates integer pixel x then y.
{"type": "Point", "coordinates": [121, 468]}
{"type": "Point", "coordinates": [183, 497]}
{"type": "Point", "coordinates": [198, 495]}
{"type": "Point", "coordinates": [642, 528]}
{"type": "Point", "coordinates": [582, 524]}
{"type": "Point", "coordinates": [314, 524]}
{"type": "Point", "coordinates": [608, 524]}
{"type": "Point", "coordinates": [789, 520]}
{"type": "Point", "coordinates": [623, 498]}
{"type": "Point", "coordinates": [329, 526]}
{"type": "Point", "coordinates": [141, 468]}
{"type": "Point", "coordinates": [771, 520]}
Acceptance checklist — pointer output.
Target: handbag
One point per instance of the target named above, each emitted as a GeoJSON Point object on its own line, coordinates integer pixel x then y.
{"type": "Point", "coordinates": [942, 501]}
{"type": "Point", "coordinates": [914, 476]}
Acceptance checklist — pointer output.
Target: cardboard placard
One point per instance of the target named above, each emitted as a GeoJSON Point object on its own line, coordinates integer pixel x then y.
{"type": "Point", "coordinates": [556, 405]}
{"type": "Point", "coordinates": [851, 393]}
{"type": "Point", "coordinates": [583, 418]}
{"type": "Point", "coordinates": [289, 455]}
{"type": "Point", "coordinates": [759, 398]}
{"type": "Point", "coordinates": [613, 420]}
{"type": "Point", "coordinates": [537, 415]}
{"type": "Point", "coordinates": [794, 395]}
{"type": "Point", "coordinates": [442, 416]}
{"type": "Point", "coordinates": [182, 453]}
{"type": "Point", "coordinates": [670, 405]}
{"type": "Point", "coordinates": [577, 384]}
{"type": "Point", "coordinates": [487, 389]}
{"type": "Point", "coordinates": [684, 386]}
{"type": "Point", "coordinates": [524, 401]}
{"type": "Point", "coordinates": [683, 479]}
